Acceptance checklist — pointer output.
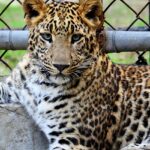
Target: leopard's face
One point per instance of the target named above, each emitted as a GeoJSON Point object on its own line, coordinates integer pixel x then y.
{"type": "Point", "coordinates": [63, 37]}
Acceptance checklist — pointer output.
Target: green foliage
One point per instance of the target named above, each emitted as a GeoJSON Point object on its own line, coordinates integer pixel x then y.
{"type": "Point", "coordinates": [13, 16]}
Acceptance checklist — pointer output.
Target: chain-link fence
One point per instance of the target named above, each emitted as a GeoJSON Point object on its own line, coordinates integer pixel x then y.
{"type": "Point", "coordinates": [128, 15]}
{"type": "Point", "coordinates": [125, 15]}
{"type": "Point", "coordinates": [11, 17]}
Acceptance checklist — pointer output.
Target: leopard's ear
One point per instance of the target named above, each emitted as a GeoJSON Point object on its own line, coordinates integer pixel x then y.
{"type": "Point", "coordinates": [91, 12]}
{"type": "Point", "coordinates": [34, 11]}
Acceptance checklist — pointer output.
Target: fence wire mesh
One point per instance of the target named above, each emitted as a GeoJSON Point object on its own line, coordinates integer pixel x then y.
{"type": "Point", "coordinates": [120, 15]}
{"type": "Point", "coordinates": [11, 17]}
{"type": "Point", "coordinates": [128, 15]}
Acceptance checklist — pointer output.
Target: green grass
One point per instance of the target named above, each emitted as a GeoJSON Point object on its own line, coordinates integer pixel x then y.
{"type": "Point", "coordinates": [11, 58]}
{"type": "Point", "coordinates": [13, 16]}
{"type": "Point", "coordinates": [118, 15]}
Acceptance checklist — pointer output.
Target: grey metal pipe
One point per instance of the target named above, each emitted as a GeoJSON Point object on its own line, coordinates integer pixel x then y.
{"type": "Point", "coordinates": [13, 39]}
{"type": "Point", "coordinates": [117, 41]}
{"type": "Point", "coordinates": [125, 41]}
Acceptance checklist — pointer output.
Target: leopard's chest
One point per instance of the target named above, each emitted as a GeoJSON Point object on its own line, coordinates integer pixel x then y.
{"type": "Point", "coordinates": [48, 104]}
{"type": "Point", "coordinates": [36, 96]}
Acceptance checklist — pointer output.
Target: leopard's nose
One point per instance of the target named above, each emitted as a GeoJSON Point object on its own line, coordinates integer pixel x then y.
{"type": "Point", "coordinates": [61, 67]}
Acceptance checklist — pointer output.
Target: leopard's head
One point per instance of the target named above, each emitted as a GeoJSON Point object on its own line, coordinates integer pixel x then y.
{"type": "Point", "coordinates": [64, 36]}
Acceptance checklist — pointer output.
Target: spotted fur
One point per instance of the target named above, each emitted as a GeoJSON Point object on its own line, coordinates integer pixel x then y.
{"type": "Point", "coordinates": [66, 82]}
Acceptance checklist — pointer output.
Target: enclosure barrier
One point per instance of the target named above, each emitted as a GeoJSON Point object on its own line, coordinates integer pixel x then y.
{"type": "Point", "coordinates": [117, 41]}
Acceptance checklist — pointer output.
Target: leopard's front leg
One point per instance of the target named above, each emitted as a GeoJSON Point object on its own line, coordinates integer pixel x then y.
{"type": "Point", "coordinates": [7, 95]}
{"type": "Point", "coordinates": [4, 94]}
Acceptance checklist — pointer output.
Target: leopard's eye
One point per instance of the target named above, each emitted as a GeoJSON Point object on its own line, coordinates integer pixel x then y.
{"type": "Point", "coordinates": [47, 37]}
{"type": "Point", "coordinates": [75, 38]}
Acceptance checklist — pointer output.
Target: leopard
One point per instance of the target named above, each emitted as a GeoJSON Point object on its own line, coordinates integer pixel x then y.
{"type": "Point", "coordinates": [67, 83]}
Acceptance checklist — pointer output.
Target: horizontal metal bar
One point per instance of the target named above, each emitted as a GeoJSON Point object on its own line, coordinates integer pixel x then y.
{"type": "Point", "coordinates": [117, 41]}
{"type": "Point", "coordinates": [144, 28]}
{"type": "Point", "coordinates": [13, 39]}
{"type": "Point", "coordinates": [127, 41]}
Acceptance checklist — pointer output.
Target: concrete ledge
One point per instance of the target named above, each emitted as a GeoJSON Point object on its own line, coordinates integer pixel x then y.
{"type": "Point", "coordinates": [18, 131]}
